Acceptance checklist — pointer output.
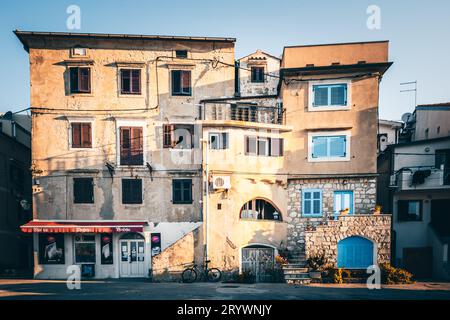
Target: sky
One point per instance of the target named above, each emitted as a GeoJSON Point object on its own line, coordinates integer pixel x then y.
{"type": "Point", "coordinates": [418, 32]}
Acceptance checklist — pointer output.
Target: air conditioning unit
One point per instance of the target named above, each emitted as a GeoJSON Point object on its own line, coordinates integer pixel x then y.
{"type": "Point", "coordinates": [221, 182]}
{"type": "Point", "coordinates": [393, 181]}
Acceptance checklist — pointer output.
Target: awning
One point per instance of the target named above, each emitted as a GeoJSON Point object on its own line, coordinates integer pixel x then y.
{"type": "Point", "coordinates": [54, 226]}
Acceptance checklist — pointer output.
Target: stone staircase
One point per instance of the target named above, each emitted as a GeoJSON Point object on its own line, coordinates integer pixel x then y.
{"type": "Point", "coordinates": [296, 271]}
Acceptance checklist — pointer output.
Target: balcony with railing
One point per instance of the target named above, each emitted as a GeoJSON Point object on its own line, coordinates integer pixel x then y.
{"type": "Point", "coordinates": [243, 113]}
{"type": "Point", "coordinates": [421, 178]}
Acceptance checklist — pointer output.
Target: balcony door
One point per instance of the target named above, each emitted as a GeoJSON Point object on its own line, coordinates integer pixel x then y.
{"type": "Point", "coordinates": [131, 146]}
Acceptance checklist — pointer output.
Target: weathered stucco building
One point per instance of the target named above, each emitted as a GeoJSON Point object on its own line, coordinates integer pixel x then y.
{"type": "Point", "coordinates": [146, 157]}
{"type": "Point", "coordinates": [114, 142]}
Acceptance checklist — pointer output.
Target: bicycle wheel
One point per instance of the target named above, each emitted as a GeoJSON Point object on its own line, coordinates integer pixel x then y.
{"type": "Point", "coordinates": [214, 275]}
{"type": "Point", "coordinates": [189, 275]}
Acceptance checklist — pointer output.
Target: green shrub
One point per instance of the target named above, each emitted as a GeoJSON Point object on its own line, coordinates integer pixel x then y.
{"type": "Point", "coordinates": [391, 275]}
{"type": "Point", "coordinates": [336, 275]}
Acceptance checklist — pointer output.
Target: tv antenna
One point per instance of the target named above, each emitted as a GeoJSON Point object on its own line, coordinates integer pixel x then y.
{"type": "Point", "coordinates": [411, 89]}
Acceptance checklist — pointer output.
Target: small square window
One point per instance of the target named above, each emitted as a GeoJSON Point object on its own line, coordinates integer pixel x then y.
{"type": "Point", "coordinates": [83, 190]}
{"type": "Point", "coordinates": [257, 74]}
{"type": "Point", "coordinates": [409, 210]}
{"type": "Point", "coordinates": [218, 141]}
{"type": "Point", "coordinates": [182, 54]}
{"type": "Point", "coordinates": [81, 134]}
{"type": "Point", "coordinates": [182, 191]}
{"type": "Point", "coordinates": [181, 83]}
{"type": "Point", "coordinates": [80, 80]}
{"type": "Point", "coordinates": [79, 52]}
{"type": "Point", "coordinates": [130, 81]}
{"type": "Point", "coordinates": [312, 202]}
{"type": "Point", "coordinates": [131, 191]}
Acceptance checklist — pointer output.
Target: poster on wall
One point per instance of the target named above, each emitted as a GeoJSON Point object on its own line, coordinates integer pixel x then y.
{"type": "Point", "coordinates": [106, 246]}
{"type": "Point", "coordinates": [156, 243]}
{"type": "Point", "coordinates": [51, 248]}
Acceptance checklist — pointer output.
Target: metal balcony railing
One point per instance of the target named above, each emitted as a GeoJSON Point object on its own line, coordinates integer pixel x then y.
{"type": "Point", "coordinates": [249, 113]}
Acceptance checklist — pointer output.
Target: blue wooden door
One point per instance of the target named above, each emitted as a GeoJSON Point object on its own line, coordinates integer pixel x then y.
{"type": "Point", "coordinates": [355, 253]}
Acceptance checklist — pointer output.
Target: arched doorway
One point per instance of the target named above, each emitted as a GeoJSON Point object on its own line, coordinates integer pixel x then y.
{"type": "Point", "coordinates": [355, 253]}
{"type": "Point", "coordinates": [258, 260]}
{"type": "Point", "coordinates": [132, 255]}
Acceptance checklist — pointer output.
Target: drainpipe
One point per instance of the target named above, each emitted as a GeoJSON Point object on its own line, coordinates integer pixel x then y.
{"type": "Point", "coordinates": [206, 187]}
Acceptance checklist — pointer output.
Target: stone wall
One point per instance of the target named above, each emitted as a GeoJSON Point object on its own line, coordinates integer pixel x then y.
{"type": "Point", "coordinates": [169, 264]}
{"type": "Point", "coordinates": [324, 238]}
{"type": "Point", "coordinates": [364, 194]}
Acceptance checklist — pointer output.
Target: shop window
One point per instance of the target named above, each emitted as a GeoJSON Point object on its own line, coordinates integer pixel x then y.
{"type": "Point", "coordinates": [81, 134]}
{"type": "Point", "coordinates": [409, 210]}
{"type": "Point", "coordinates": [51, 248]}
{"type": "Point", "coordinates": [178, 136]}
{"type": "Point", "coordinates": [312, 202]}
{"type": "Point", "coordinates": [218, 140]}
{"type": "Point", "coordinates": [257, 74]}
{"type": "Point", "coordinates": [131, 146]}
{"type": "Point", "coordinates": [181, 83]}
{"type": "Point", "coordinates": [83, 190]}
{"type": "Point", "coordinates": [106, 248]}
{"type": "Point", "coordinates": [264, 146]}
{"type": "Point", "coordinates": [182, 191]}
{"type": "Point", "coordinates": [260, 209]}
{"type": "Point", "coordinates": [84, 248]}
{"type": "Point", "coordinates": [131, 191]}
{"type": "Point", "coordinates": [80, 80]}
{"type": "Point", "coordinates": [130, 80]}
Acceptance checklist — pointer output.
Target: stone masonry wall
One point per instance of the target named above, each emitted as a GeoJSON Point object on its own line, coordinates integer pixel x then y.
{"type": "Point", "coordinates": [324, 238]}
{"type": "Point", "coordinates": [364, 194]}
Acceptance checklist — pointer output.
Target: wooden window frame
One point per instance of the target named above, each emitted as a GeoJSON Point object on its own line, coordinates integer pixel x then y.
{"type": "Point", "coordinates": [401, 216]}
{"type": "Point", "coordinates": [132, 90]}
{"type": "Point", "coordinates": [79, 88]}
{"type": "Point", "coordinates": [270, 152]}
{"type": "Point", "coordinates": [182, 92]}
{"type": "Point", "coordinates": [138, 186]}
{"type": "Point", "coordinates": [181, 190]}
{"type": "Point", "coordinates": [312, 214]}
{"type": "Point", "coordinates": [85, 127]}
{"type": "Point", "coordinates": [135, 153]}
{"type": "Point", "coordinates": [253, 73]}
{"type": "Point", "coordinates": [87, 182]}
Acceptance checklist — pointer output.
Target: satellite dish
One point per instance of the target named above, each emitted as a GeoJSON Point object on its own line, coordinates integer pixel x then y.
{"type": "Point", "coordinates": [406, 117]}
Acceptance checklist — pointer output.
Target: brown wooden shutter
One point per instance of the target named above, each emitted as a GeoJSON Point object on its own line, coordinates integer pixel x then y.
{"type": "Point", "coordinates": [186, 81]}
{"type": "Point", "coordinates": [168, 135]}
{"type": "Point", "coordinates": [86, 136]}
{"type": "Point", "coordinates": [76, 135]}
{"type": "Point", "coordinates": [136, 81]}
{"type": "Point", "coordinates": [84, 79]}
{"type": "Point", "coordinates": [125, 147]}
{"type": "Point", "coordinates": [137, 147]}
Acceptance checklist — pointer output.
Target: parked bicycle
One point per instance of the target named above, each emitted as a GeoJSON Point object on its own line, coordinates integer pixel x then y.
{"type": "Point", "coordinates": [191, 274]}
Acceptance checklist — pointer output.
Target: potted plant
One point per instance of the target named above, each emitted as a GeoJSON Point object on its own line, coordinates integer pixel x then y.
{"type": "Point", "coordinates": [315, 265]}
{"type": "Point", "coordinates": [377, 209]}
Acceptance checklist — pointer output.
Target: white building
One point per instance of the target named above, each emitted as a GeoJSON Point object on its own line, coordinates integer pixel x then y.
{"type": "Point", "coordinates": [414, 185]}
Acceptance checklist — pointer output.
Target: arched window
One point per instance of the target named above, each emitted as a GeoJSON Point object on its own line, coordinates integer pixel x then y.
{"type": "Point", "coordinates": [260, 209]}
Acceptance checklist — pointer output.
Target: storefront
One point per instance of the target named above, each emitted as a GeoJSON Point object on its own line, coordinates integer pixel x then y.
{"type": "Point", "coordinates": [102, 249]}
